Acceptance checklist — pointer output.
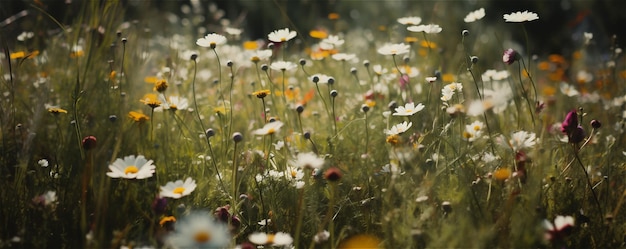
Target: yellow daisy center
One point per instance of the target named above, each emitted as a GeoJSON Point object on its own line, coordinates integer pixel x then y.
{"type": "Point", "coordinates": [179, 190]}
{"type": "Point", "coordinates": [271, 131]}
{"type": "Point", "coordinates": [476, 127]}
{"type": "Point", "coordinates": [270, 238]}
{"type": "Point", "coordinates": [132, 169]}
{"type": "Point", "coordinates": [202, 236]}
{"type": "Point", "coordinates": [283, 39]}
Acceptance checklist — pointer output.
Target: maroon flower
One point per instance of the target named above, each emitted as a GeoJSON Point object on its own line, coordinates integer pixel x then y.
{"type": "Point", "coordinates": [575, 132]}
{"type": "Point", "coordinates": [509, 56]}
{"type": "Point", "coordinates": [89, 142]}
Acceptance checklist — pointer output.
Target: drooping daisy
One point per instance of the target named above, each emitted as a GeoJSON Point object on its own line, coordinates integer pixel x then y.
{"type": "Point", "coordinates": [178, 188]}
{"type": "Point", "coordinates": [475, 15]}
{"type": "Point", "coordinates": [308, 160]}
{"type": "Point", "coordinates": [211, 40]}
{"type": "Point", "coordinates": [561, 226]}
{"type": "Point", "coordinates": [269, 128]}
{"type": "Point", "coordinates": [281, 35]}
{"type": "Point", "coordinates": [394, 49]}
{"type": "Point", "coordinates": [399, 128]}
{"type": "Point", "coordinates": [283, 65]}
{"type": "Point", "coordinates": [426, 28]}
{"type": "Point", "coordinates": [408, 109]}
{"type": "Point", "coordinates": [132, 167]}
{"type": "Point", "coordinates": [277, 239]}
{"type": "Point", "coordinates": [199, 230]}
{"type": "Point", "coordinates": [521, 16]}
{"type": "Point", "coordinates": [410, 20]}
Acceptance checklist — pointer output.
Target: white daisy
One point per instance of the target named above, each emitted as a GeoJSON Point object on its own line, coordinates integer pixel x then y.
{"type": "Point", "coordinates": [568, 89]}
{"type": "Point", "coordinates": [211, 40]}
{"type": "Point", "coordinates": [331, 42]}
{"type": "Point", "coordinates": [475, 15]}
{"type": "Point", "coordinates": [410, 20]}
{"type": "Point", "coordinates": [281, 35]}
{"type": "Point", "coordinates": [399, 128]}
{"type": "Point", "coordinates": [178, 188]}
{"type": "Point", "coordinates": [522, 140]}
{"type": "Point", "coordinates": [308, 160]}
{"type": "Point", "coordinates": [283, 66]}
{"type": "Point", "coordinates": [43, 163]}
{"type": "Point", "coordinates": [269, 128]}
{"type": "Point", "coordinates": [408, 109]}
{"type": "Point", "coordinates": [426, 28]}
{"type": "Point", "coordinates": [394, 49]}
{"type": "Point", "coordinates": [344, 57]}
{"type": "Point", "coordinates": [259, 55]}
{"type": "Point", "coordinates": [131, 167]}
{"type": "Point", "coordinates": [199, 230]}
{"type": "Point", "coordinates": [521, 16]}
{"type": "Point", "coordinates": [278, 239]}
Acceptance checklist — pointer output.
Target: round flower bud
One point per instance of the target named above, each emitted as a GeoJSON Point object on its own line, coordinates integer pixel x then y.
{"type": "Point", "coordinates": [194, 57]}
{"type": "Point", "coordinates": [315, 79]}
{"type": "Point", "coordinates": [331, 80]}
{"type": "Point", "coordinates": [333, 174]}
{"type": "Point", "coordinates": [237, 137]}
{"type": "Point", "coordinates": [229, 63]}
{"type": "Point", "coordinates": [299, 108]}
{"type": "Point", "coordinates": [365, 108]}
{"type": "Point", "coordinates": [112, 118]}
{"type": "Point", "coordinates": [406, 59]}
{"type": "Point", "coordinates": [366, 63]}
{"type": "Point", "coordinates": [307, 135]}
{"type": "Point", "coordinates": [209, 132]}
{"type": "Point", "coordinates": [474, 59]}
{"type": "Point", "coordinates": [334, 93]}
{"type": "Point", "coordinates": [302, 62]}
{"type": "Point", "coordinates": [596, 124]}
{"type": "Point", "coordinates": [465, 32]}
{"type": "Point", "coordinates": [264, 67]}
{"type": "Point", "coordinates": [509, 56]}
{"type": "Point", "coordinates": [89, 142]}
{"type": "Point", "coordinates": [353, 70]}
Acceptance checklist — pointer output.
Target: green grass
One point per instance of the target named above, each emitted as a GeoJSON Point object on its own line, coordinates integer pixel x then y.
{"type": "Point", "coordinates": [427, 187]}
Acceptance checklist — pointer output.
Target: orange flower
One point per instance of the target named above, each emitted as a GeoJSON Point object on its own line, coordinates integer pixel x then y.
{"type": "Point", "coordinates": [333, 16]}
{"type": "Point", "coordinates": [319, 34]}
{"type": "Point", "coordinates": [502, 174]}
{"type": "Point", "coordinates": [138, 116]}
{"type": "Point", "coordinates": [17, 55]}
{"type": "Point", "coordinates": [250, 45]}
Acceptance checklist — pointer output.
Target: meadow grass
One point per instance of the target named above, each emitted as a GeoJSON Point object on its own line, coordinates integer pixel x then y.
{"type": "Point", "coordinates": [395, 136]}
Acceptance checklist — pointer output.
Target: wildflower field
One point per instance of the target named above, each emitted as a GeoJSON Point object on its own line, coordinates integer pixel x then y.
{"type": "Point", "coordinates": [140, 124]}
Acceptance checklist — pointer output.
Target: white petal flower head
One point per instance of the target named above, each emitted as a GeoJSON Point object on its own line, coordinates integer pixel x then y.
{"type": "Point", "coordinates": [522, 140]}
{"type": "Point", "coordinates": [475, 15]}
{"type": "Point", "coordinates": [211, 40]}
{"type": "Point", "coordinates": [199, 230]}
{"type": "Point", "coordinates": [308, 160]}
{"type": "Point", "coordinates": [281, 35]}
{"type": "Point", "coordinates": [43, 163]}
{"type": "Point", "coordinates": [262, 54]}
{"type": "Point", "coordinates": [283, 66]}
{"type": "Point", "coordinates": [278, 239]}
{"type": "Point", "coordinates": [521, 16]}
{"type": "Point", "coordinates": [399, 128]}
{"type": "Point", "coordinates": [132, 167]}
{"type": "Point", "coordinates": [426, 28]}
{"type": "Point", "coordinates": [269, 128]}
{"type": "Point", "coordinates": [408, 109]}
{"type": "Point", "coordinates": [568, 89]}
{"type": "Point", "coordinates": [178, 188]}
{"type": "Point", "coordinates": [344, 57]}
{"type": "Point", "coordinates": [331, 42]}
{"type": "Point", "coordinates": [410, 20]}
{"type": "Point", "coordinates": [394, 49]}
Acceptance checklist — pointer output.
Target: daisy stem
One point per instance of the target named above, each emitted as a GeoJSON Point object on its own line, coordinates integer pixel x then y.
{"type": "Point", "coordinates": [234, 184]}
{"type": "Point", "coordinates": [195, 107]}
{"type": "Point", "coordinates": [589, 183]}
{"type": "Point", "coordinates": [367, 140]}
{"type": "Point", "coordinates": [317, 87]}
{"type": "Point", "coordinates": [332, 101]}
{"type": "Point", "coordinates": [525, 93]}
{"type": "Point", "coordinates": [301, 205]}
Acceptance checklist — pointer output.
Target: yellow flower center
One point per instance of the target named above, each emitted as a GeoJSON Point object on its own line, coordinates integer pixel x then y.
{"type": "Point", "coordinates": [179, 190]}
{"type": "Point", "coordinates": [476, 127]}
{"type": "Point", "coordinates": [283, 39]}
{"type": "Point", "coordinates": [132, 169]}
{"type": "Point", "coordinates": [270, 238]}
{"type": "Point", "coordinates": [294, 173]}
{"type": "Point", "coordinates": [202, 236]}
{"type": "Point", "coordinates": [271, 131]}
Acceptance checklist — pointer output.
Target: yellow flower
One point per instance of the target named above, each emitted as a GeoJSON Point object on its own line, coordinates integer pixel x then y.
{"type": "Point", "coordinates": [56, 110]}
{"type": "Point", "coordinates": [151, 100]}
{"type": "Point", "coordinates": [447, 77]}
{"type": "Point", "coordinates": [426, 44]}
{"type": "Point", "coordinates": [166, 220]}
{"type": "Point", "coordinates": [77, 54]}
{"type": "Point", "coordinates": [220, 110]}
{"type": "Point", "coordinates": [112, 75]}
{"type": "Point", "coordinates": [138, 116]}
{"type": "Point", "coordinates": [160, 86]}
{"type": "Point", "coordinates": [333, 16]}
{"type": "Point", "coordinates": [393, 139]}
{"type": "Point", "coordinates": [150, 79]}
{"type": "Point", "coordinates": [370, 103]}
{"type": "Point", "coordinates": [261, 93]}
{"type": "Point", "coordinates": [250, 45]}
{"type": "Point", "coordinates": [319, 34]}
{"type": "Point", "coordinates": [502, 174]}
{"type": "Point", "coordinates": [17, 55]}
{"type": "Point", "coordinates": [360, 241]}
{"type": "Point", "coordinates": [410, 39]}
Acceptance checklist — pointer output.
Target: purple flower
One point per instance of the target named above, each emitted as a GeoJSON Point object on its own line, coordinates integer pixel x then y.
{"type": "Point", "coordinates": [509, 56]}
{"type": "Point", "coordinates": [575, 132]}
